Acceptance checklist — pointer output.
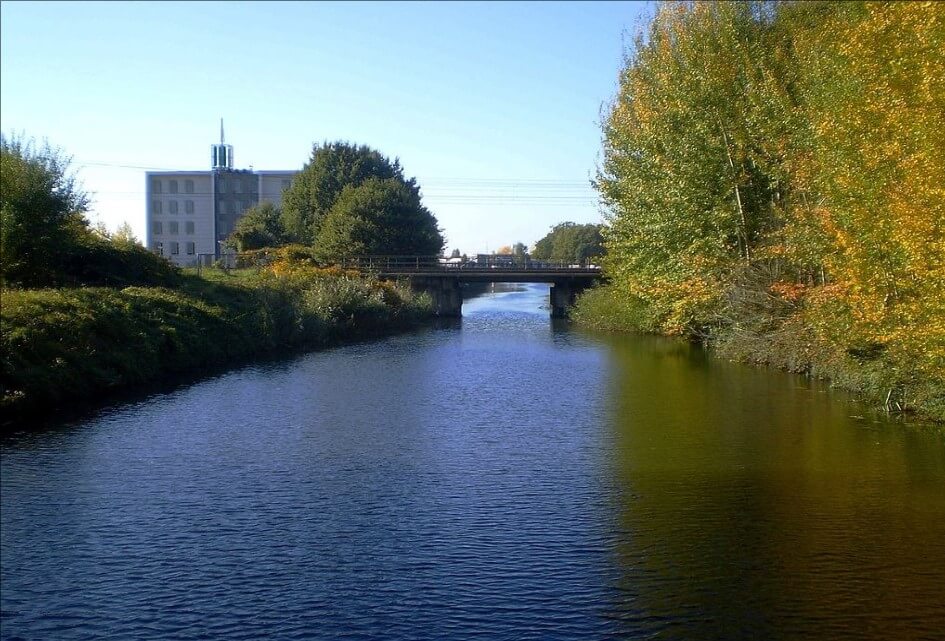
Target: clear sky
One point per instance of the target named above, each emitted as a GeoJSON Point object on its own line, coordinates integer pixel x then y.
{"type": "Point", "coordinates": [494, 107]}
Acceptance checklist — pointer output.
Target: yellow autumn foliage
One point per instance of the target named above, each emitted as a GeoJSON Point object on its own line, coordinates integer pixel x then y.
{"type": "Point", "coordinates": [783, 166]}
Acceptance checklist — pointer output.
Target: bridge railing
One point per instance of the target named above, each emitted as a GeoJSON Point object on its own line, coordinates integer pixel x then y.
{"type": "Point", "coordinates": [417, 264]}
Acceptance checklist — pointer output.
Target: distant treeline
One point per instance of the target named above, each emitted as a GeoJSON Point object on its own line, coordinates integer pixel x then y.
{"type": "Point", "coordinates": [775, 174]}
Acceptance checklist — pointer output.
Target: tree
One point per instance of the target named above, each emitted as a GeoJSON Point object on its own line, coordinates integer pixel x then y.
{"type": "Point", "coordinates": [694, 149]}
{"type": "Point", "coordinates": [504, 250]}
{"type": "Point", "coordinates": [41, 211]}
{"type": "Point", "coordinates": [314, 191]}
{"type": "Point", "coordinates": [570, 242]}
{"type": "Point", "coordinates": [45, 239]}
{"type": "Point", "coordinates": [125, 236]}
{"type": "Point", "coordinates": [455, 254]}
{"type": "Point", "coordinates": [261, 226]}
{"type": "Point", "coordinates": [519, 249]}
{"type": "Point", "coordinates": [788, 157]}
{"type": "Point", "coordinates": [379, 216]}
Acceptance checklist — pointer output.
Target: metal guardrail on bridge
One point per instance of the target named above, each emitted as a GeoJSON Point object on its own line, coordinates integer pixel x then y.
{"type": "Point", "coordinates": [435, 264]}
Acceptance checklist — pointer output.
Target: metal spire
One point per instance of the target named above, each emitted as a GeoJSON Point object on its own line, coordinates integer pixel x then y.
{"type": "Point", "coordinates": [221, 131]}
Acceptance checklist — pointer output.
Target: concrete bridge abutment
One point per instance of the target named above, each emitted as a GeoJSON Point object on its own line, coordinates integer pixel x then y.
{"type": "Point", "coordinates": [563, 294]}
{"type": "Point", "coordinates": [446, 292]}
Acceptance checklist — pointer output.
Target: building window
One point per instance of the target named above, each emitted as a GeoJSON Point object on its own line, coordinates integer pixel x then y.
{"type": "Point", "coordinates": [221, 186]}
{"type": "Point", "coordinates": [189, 227]}
{"type": "Point", "coordinates": [172, 207]}
{"type": "Point", "coordinates": [172, 186]}
{"type": "Point", "coordinates": [189, 206]}
{"type": "Point", "coordinates": [191, 249]}
{"type": "Point", "coordinates": [156, 227]}
{"type": "Point", "coordinates": [188, 186]}
{"type": "Point", "coordinates": [238, 187]}
{"type": "Point", "coordinates": [172, 227]}
{"type": "Point", "coordinates": [156, 206]}
{"type": "Point", "coordinates": [158, 248]}
{"type": "Point", "coordinates": [175, 248]}
{"type": "Point", "coordinates": [156, 186]}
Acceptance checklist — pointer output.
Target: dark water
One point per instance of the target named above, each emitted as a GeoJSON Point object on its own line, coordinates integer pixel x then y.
{"type": "Point", "coordinates": [504, 478]}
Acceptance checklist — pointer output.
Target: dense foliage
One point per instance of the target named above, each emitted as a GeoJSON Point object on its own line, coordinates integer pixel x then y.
{"type": "Point", "coordinates": [261, 226]}
{"type": "Point", "coordinates": [45, 239]}
{"type": "Point", "coordinates": [570, 242]}
{"type": "Point", "coordinates": [332, 167]}
{"type": "Point", "coordinates": [775, 175]}
{"type": "Point", "coordinates": [41, 208]}
{"type": "Point", "coordinates": [379, 217]}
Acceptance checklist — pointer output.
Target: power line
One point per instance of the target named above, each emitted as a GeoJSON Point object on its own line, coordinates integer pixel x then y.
{"type": "Point", "coordinates": [449, 181]}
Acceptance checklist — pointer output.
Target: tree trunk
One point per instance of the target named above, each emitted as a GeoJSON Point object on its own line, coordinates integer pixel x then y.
{"type": "Point", "coordinates": [743, 234]}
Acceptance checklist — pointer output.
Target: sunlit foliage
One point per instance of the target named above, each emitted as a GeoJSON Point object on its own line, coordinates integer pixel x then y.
{"type": "Point", "coordinates": [778, 170]}
{"type": "Point", "coordinates": [45, 239]}
{"type": "Point", "coordinates": [261, 226]}
{"type": "Point", "coordinates": [571, 242]}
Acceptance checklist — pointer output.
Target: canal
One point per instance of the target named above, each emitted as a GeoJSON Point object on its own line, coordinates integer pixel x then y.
{"type": "Point", "coordinates": [500, 477]}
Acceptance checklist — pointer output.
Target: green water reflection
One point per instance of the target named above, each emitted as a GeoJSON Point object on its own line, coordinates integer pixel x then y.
{"type": "Point", "coordinates": [751, 504]}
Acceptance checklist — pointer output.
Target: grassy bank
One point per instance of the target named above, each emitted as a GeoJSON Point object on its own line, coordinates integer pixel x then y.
{"type": "Point", "coordinates": [788, 336]}
{"type": "Point", "coordinates": [73, 344]}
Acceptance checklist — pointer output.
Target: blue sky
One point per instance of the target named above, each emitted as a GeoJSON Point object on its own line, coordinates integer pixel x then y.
{"type": "Point", "coordinates": [494, 107]}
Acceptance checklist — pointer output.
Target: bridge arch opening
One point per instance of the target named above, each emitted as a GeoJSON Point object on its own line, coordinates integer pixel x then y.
{"type": "Point", "coordinates": [444, 280]}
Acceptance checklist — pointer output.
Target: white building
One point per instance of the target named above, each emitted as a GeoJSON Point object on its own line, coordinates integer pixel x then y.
{"type": "Point", "coordinates": [190, 213]}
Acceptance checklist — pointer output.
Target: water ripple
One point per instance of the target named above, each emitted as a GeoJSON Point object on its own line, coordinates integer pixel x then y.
{"type": "Point", "coordinates": [504, 479]}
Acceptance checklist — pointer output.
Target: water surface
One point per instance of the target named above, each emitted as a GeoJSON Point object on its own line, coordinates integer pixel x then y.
{"type": "Point", "coordinates": [502, 477]}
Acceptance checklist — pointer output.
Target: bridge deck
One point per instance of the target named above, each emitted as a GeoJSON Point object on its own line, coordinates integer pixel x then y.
{"type": "Point", "coordinates": [500, 269]}
{"type": "Point", "coordinates": [498, 275]}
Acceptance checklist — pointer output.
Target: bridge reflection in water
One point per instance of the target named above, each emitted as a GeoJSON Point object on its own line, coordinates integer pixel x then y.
{"type": "Point", "coordinates": [443, 278]}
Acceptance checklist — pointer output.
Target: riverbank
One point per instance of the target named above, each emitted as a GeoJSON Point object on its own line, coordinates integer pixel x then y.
{"type": "Point", "coordinates": [881, 377]}
{"type": "Point", "coordinates": [66, 345]}
{"type": "Point", "coordinates": [772, 182]}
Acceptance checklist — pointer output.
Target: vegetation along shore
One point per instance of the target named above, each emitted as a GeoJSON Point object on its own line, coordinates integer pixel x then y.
{"type": "Point", "coordinates": [86, 314]}
{"type": "Point", "coordinates": [775, 177]}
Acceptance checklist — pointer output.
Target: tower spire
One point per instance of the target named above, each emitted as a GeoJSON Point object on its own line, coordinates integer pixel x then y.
{"type": "Point", "coordinates": [221, 155]}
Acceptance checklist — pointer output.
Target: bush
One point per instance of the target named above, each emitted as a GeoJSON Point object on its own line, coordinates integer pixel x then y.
{"type": "Point", "coordinates": [92, 261]}
{"type": "Point", "coordinates": [605, 308]}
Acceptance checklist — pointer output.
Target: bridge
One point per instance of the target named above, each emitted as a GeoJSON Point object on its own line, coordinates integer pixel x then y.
{"type": "Point", "coordinates": [443, 278]}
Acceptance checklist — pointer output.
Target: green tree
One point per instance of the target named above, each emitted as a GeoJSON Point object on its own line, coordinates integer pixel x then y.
{"type": "Point", "coordinates": [41, 212]}
{"type": "Point", "coordinates": [124, 236]}
{"type": "Point", "coordinates": [261, 226]}
{"type": "Point", "coordinates": [332, 167]}
{"type": "Point", "coordinates": [694, 150]}
{"type": "Point", "coordinates": [379, 217]}
{"type": "Point", "coordinates": [46, 239]}
{"type": "Point", "coordinates": [571, 242]}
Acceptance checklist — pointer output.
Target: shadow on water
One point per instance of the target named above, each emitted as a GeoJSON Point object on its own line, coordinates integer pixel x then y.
{"type": "Point", "coordinates": [64, 417]}
{"type": "Point", "coordinates": [751, 504]}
